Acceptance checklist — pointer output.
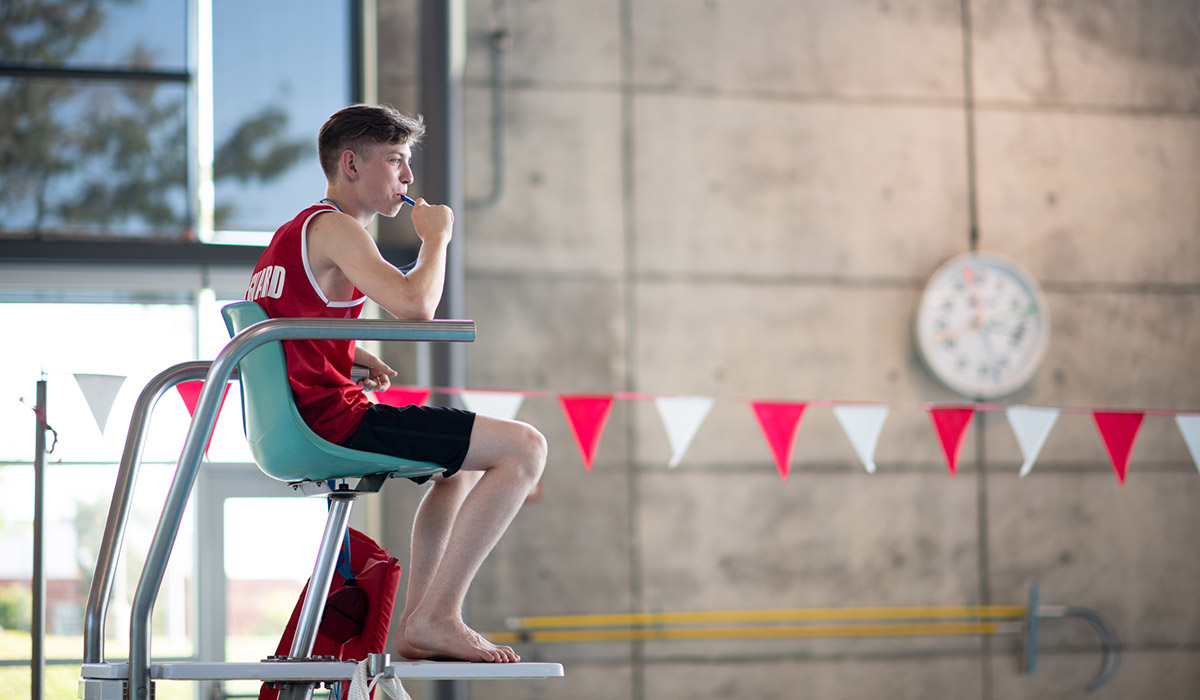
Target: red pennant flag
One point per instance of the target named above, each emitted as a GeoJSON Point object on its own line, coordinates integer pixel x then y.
{"type": "Point", "coordinates": [779, 422]}
{"type": "Point", "coordinates": [190, 393]}
{"type": "Point", "coordinates": [1118, 430]}
{"type": "Point", "coordinates": [951, 425]}
{"type": "Point", "coordinates": [587, 416]}
{"type": "Point", "coordinates": [403, 397]}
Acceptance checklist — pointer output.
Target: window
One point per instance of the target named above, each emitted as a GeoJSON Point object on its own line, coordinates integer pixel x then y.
{"type": "Point", "coordinates": [185, 122]}
{"type": "Point", "coordinates": [90, 423]}
{"type": "Point", "coordinates": [265, 121]}
{"type": "Point", "coordinates": [132, 119]}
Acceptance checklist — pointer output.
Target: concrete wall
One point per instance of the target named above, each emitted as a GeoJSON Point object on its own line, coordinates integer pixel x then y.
{"type": "Point", "coordinates": [744, 200]}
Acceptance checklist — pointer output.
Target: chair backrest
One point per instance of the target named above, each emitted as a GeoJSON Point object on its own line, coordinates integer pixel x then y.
{"type": "Point", "coordinates": [283, 445]}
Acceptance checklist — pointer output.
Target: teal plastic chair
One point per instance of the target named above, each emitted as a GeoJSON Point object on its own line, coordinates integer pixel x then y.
{"type": "Point", "coordinates": [283, 445]}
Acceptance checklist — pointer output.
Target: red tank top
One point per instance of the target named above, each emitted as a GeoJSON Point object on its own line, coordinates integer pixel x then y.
{"type": "Point", "coordinates": [319, 370]}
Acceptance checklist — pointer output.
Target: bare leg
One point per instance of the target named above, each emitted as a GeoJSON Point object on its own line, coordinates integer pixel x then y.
{"type": "Point", "coordinates": [455, 529]}
{"type": "Point", "coordinates": [431, 531]}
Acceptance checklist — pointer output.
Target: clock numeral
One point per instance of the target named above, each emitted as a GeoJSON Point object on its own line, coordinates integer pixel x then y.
{"type": "Point", "coordinates": [1018, 335]}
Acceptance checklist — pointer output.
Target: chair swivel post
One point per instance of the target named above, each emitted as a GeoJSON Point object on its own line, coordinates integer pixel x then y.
{"type": "Point", "coordinates": [322, 576]}
{"type": "Point", "coordinates": [311, 610]}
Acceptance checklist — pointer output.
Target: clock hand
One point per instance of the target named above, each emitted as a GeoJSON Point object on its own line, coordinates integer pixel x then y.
{"type": "Point", "coordinates": [972, 289]}
{"type": "Point", "coordinates": [968, 274]}
{"type": "Point", "coordinates": [944, 337]}
{"type": "Point", "coordinates": [991, 356]}
{"type": "Point", "coordinates": [993, 321]}
{"type": "Point", "coordinates": [1003, 317]}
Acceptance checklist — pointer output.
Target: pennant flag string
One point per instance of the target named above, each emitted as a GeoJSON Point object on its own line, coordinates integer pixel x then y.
{"type": "Point", "coordinates": [951, 425]}
{"type": "Point", "coordinates": [779, 422]}
{"type": "Point", "coordinates": [1189, 426]}
{"type": "Point", "coordinates": [190, 393]}
{"type": "Point", "coordinates": [587, 416]}
{"type": "Point", "coordinates": [401, 396]}
{"type": "Point", "coordinates": [862, 424]}
{"type": "Point", "coordinates": [1032, 427]}
{"type": "Point", "coordinates": [100, 391]}
{"type": "Point", "coordinates": [814, 403]}
{"type": "Point", "coordinates": [682, 416]}
{"type": "Point", "coordinates": [1118, 431]}
{"type": "Point", "coordinates": [496, 404]}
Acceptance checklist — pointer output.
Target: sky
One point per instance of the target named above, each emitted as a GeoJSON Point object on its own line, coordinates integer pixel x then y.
{"type": "Point", "coordinates": [297, 59]}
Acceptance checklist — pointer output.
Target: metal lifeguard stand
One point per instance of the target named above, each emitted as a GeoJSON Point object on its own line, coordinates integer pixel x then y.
{"type": "Point", "coordinates": [296, 675]}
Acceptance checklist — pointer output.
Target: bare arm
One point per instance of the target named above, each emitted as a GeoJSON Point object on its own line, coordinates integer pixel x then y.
{"type": "Point", "coordinates": [342, 253]}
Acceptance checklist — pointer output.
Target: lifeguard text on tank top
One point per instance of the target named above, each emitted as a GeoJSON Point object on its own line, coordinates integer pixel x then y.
{"type": "Point", "coordinates": [267, 282]}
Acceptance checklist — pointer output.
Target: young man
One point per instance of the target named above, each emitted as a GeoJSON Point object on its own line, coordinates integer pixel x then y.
{"type": "Point", "coordinates": [323, 263]}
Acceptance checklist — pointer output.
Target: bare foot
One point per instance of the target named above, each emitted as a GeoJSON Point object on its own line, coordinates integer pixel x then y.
{"type": "Point", "coordinates": [450, 639]}
{"type": "Point", "coordinates": [407, 651]}
{"type": "Point", "coordinates": [411, 653]}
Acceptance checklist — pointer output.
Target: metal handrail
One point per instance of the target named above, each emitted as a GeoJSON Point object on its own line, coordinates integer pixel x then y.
{"type": "Point", "coordinates": [848, 622]}
{"type": "Point", "coordinates": [218, 373]}
{"type": "Point", "coordinates": [118, 510]}
{"type": "Point", "coordinates": [1110, 646]}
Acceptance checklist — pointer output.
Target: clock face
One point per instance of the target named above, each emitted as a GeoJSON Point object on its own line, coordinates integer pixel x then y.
{"type": "Point", "coordinates": [982, 325]}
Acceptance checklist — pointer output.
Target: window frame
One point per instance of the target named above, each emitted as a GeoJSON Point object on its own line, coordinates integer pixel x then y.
{"type": "Point", "coordinates": [69, 248]}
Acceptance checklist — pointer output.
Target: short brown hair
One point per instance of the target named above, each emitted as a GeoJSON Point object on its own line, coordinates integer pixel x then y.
{"type": "Point", "coordinates": [360, 127]}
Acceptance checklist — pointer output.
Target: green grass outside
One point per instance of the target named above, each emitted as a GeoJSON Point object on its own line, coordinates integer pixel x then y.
{"type": "Point", "coordinates": [62, 681]}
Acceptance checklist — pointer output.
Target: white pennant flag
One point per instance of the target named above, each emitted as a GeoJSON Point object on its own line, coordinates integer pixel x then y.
{"type": "Point", "coordinates": [495, 404]}
{"type": "Point", "coordinates": [1189, 425]}
{"type": "Point", "coordinates": [863, 425]}
{"type": "Point", "coordinates": [100, 391]}
{"type": "Point", "coordinates": [1032, 427]}
{"type": "Point", "coordinates": [682, 416]}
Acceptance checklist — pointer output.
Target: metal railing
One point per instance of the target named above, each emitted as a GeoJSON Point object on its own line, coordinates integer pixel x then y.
{"type": "Point", "coordinates": [942, 620]}
{"type": "Point", "coordinates": [216, 374]}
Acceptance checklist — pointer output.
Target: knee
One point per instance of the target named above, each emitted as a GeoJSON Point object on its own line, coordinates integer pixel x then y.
{"type": "Point", "coordinates": [533, 450]}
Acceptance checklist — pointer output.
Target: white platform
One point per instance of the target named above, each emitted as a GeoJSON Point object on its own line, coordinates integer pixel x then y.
{"type": "Point", "coordinates": [323, 671]}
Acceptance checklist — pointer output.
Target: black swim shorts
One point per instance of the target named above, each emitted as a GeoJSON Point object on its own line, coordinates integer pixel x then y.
{"type": "Point", "coordinates": [435, 434]}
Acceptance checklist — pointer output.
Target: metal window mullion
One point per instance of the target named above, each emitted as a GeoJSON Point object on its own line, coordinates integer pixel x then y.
{"type": "Point", "coordinates": [18, 70]}
{"type": "Point", "coordinates": [365, 57]}
{"type": "Point", "coordinates": [201, 139]}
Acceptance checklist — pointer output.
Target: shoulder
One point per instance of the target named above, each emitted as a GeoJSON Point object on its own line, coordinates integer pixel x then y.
{"type": "Point", "coordinates": [332, 229]}
{"type": "Point", "coordinates": [331, 220]}
{"type": "Point", "coordinates": [336, 238]}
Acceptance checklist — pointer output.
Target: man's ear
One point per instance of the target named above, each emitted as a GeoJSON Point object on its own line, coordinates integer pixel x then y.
{"type": "Point", "coordinates": [349, 165]}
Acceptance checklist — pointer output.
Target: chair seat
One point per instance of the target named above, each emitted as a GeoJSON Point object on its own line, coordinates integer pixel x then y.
{"type": "Point", "coordinates": [283, 445]}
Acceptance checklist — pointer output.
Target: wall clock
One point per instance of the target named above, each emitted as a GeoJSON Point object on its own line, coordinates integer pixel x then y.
{"type": "Point", "coordinates": [982, 325]}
